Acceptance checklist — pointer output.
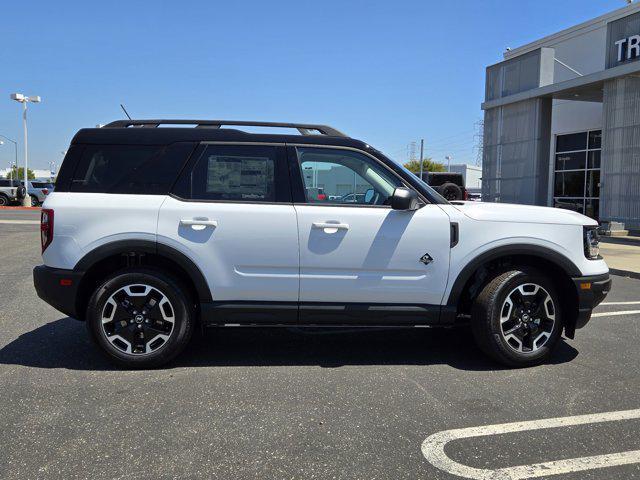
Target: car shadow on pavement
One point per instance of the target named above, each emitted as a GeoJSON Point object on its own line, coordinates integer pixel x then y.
{"type": "Point", "coordinates": [65, 343]}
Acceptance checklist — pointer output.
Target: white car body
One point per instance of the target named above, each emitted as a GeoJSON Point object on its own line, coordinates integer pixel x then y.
{"type": "Point", "coordinates": [236, 219]}
{"type": "Point", "coordinates": [264, 252]}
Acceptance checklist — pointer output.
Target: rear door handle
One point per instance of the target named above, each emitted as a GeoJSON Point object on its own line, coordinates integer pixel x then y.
{"type": "Point", "coordinates": [331, 226]}
{"type": "Point", "coordinates": [195, 222]}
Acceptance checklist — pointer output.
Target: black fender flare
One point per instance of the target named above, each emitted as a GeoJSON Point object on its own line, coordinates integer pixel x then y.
{"type": "Point", "coordinates": [543, 253]}
{"type": "Point", "coordinates": [148, 246]}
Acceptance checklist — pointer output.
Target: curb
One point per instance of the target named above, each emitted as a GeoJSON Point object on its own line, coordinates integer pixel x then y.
{"type": "Point", "coordinates": [633, 241]}
{"type": "Point", "coordinates": [624, 273]}
{"type": "Point", "coordinates": [20, 208]}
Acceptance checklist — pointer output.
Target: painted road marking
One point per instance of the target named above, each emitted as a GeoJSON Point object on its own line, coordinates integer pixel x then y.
{"type": "Point", "coordinates": [607, 314]}
{"type": "Point", "coordinates": [433, 448]}
{"type": "Point", "coordinates": [21, 222]}
{"type": "Point", "coordinates": [620, 303]}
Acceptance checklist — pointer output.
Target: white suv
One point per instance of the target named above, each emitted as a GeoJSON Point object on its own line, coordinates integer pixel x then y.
{"type": "Point", "coordinates": [152, 231]}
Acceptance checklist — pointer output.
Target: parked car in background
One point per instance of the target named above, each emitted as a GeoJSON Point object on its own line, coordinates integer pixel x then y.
{"type": "Point", "coordinates": [474, 195]}
{"type": "Point", "coordinates": [11, 191]}
{"type": "Point", "coordinates": [449, 185]}
{"type": "Point", "coordinates": [38, 191]}
{"type": "Point", "coordinates": [353, 198]}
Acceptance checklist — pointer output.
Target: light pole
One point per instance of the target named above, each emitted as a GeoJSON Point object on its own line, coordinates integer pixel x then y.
{"type": "Point", "coordinates": [18, 97]}
{"type": "Point", "coordinates": [421, 155]}
{"type": "Point", "coordinates": [15, 148]}
{"type": "Point", "coordinates": [448, 159]}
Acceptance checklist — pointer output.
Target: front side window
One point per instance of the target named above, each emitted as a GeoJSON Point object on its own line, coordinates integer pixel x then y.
{"type": "Point", "coordinates": [344, 177]}
{"type": "Point", "coordinates": [240, 173]}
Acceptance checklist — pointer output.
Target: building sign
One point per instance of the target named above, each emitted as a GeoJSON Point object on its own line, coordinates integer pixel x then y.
{"type": "Point", "coordinates": [628, 48]}
{"type": "Point", "coordinates": [623, 40]}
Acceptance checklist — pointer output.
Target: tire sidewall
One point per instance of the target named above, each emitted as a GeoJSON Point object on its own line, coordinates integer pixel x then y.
{"type": "Point", "coordinates": [519, 278]}
{"type": "Point", "coordinates": [455, 189]}
{"type": "Point", "coordinates": [4, 200]}
{"type": "Point", "coordinates": [183, 325]}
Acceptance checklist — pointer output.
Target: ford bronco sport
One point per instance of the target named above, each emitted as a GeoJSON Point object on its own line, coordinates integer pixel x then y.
{"type": "Point", "coordinates": [154, 229]}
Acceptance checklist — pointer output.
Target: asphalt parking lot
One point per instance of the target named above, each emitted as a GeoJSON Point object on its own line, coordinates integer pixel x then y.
{"type": "Point", "coordinates": [289, 403]}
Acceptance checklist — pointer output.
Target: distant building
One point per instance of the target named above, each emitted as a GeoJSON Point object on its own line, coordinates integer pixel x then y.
{"type": "Point", "coordinates": [561, 120]}
{"type": "Point", "coordinates": [471, 174]}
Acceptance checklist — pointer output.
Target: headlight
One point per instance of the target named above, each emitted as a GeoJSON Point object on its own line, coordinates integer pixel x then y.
{"type": "Point", "coordinates": [591, 243]}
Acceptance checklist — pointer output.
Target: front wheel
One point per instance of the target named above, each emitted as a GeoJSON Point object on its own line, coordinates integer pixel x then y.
{"type": "Point", "coordinates": [141, 318]}
{"type": "Point", "coordinates": [516, 319]}
{"type": "Point", "coordinates": [34, 201]}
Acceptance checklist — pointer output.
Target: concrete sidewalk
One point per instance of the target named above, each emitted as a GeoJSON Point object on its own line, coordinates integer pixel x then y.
{"type": "Point", "coordinates": [622, 254]}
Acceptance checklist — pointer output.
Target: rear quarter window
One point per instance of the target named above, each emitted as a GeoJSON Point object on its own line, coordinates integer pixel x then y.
{"type": "Point", "coordinates": [134, 169]}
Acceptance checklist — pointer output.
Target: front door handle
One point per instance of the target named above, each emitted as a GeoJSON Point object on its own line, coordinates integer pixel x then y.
{"type": "Point", "coordinates": [331, 227]}
{"type": "Point", "coordinates": [198, 223]}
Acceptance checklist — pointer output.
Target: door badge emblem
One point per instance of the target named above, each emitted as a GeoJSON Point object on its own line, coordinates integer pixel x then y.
{"type": "Point", "coordinates": [426, 259]}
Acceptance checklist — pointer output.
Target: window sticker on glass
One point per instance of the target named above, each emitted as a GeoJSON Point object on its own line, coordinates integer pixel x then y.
{"type": "Point", "coordinates": [248, 178]}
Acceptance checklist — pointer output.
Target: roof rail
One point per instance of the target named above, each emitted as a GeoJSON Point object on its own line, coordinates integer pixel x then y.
{"type": "Point", "coordinates": [303, 128]}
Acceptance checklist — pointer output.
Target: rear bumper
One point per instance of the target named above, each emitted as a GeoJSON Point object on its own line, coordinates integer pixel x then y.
{"type": "Point", "coordinates": [591, 291]}
{"type": "Point", "coordinates": [58, 287]}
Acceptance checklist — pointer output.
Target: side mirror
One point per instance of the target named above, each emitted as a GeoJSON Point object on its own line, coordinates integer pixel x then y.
{"type": "Point", "coordinates": [404, 199]}
{"type": "Point", "coordinates": [368, 195]}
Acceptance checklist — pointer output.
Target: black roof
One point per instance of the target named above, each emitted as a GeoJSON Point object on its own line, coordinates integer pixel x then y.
{"type": "Point", "coordinates": [153, 132]}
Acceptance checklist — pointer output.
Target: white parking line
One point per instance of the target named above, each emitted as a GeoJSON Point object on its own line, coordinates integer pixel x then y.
{"type": "Point", "coordinates": [620, 303]}
{"type": "Point", "coordinates": [607, 314]}
{"type": "Point", "coordinates": [21, 222]}
{"type": "Point", "coordinates": [433, 449]}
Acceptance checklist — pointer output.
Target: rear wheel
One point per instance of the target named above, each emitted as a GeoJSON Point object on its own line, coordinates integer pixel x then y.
{"type": "Point", "coordinates": [4, 200]}
{"type": "Point", "coordinates": [516, 318]}
{"type": "Point", "coordinates": [34, 201]}
{"type": "Point", "coordinates": [140, 318]}
{"type": "Point", "coordinates": [451, 191]}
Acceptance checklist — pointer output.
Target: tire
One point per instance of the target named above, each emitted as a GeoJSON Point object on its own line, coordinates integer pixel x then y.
{"type": "Point", "coordinates": [4, 200]}
{"type": "Point", "coordinates": [21, 191]}
{"type": "Point", "coordinates": [145, 332]}
{"type": "Point", "coordinates": [450, 191]}
{"type": "Point", "coordinates": [501, 318]}
{"type": "Point", "coordinates": [34, 201]}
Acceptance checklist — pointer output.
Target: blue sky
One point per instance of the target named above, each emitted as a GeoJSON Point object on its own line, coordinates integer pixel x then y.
{"type": "Point", "coordinates": [385, 72]}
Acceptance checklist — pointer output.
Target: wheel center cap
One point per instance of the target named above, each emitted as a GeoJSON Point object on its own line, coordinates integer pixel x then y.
{"type": "Point", "coordinates": [526, 317]}
{"type": "Point", "coordinates": [138, 318]}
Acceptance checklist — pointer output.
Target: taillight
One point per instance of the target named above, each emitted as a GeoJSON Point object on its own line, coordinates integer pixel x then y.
{"type": "Point", "coordinates": [45, 191]}
{"type": "Point", "coordinates": [46, 228]}
{"type": "Point", "coordinates": [466, 195]}
{"type": "Point", "coordinates": [322, 196]}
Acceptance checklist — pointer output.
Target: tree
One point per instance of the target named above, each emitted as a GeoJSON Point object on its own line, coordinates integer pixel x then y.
{"type": "Point", "coordinates": [428, 165]}
{"type": "Point", "coordinates": [20, 175]}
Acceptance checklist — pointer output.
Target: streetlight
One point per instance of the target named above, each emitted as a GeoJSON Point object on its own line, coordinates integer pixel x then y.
{"type": "Point", "coordinates": [18, 97]}
{"type": "Point", "coordinates": [15, 147]}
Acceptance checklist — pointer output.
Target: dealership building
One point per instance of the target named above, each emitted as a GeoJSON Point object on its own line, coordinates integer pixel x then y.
{"type": "Point", "coordinates": [562, 121]}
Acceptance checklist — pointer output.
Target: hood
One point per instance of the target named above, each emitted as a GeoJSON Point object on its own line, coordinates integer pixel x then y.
{"type": "Point", "coordinates": [510, 212]}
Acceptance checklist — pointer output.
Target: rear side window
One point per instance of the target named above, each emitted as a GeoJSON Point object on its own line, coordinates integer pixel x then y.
{"type": "Point", "coordinates": [9, 183]}
{"type": "Point", "coordinates": [235, 173]}
{"type": "Point", "coordinates": [139, 169]}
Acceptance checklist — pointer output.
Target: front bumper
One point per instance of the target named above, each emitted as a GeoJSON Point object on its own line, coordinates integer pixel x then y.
{"type": "Point", "coordinates": [591, 291]}
{"type": "Point", "coordinates": [58, 287]}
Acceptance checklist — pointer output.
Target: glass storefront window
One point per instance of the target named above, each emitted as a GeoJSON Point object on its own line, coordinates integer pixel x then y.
{"type": "Point", "coordinates": [595, 139]}
{"type": "Point", "coordinates": [569, 184]}
{"type": "Point", "coordinates": [577, 172]}
{"type": "Point", "coordinates": [571, 161]}
{"type": "Point", "coordinates": [571, 142]}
